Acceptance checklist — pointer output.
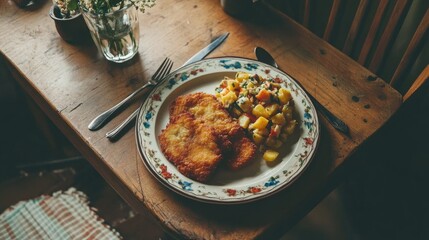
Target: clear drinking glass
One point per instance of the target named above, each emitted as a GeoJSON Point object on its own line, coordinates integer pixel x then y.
{"type": "Point", "coordinates": [116, 34]}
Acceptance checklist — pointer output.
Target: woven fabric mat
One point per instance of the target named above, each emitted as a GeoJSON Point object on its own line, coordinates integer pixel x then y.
{"type": "Point", "coordinates": [64, 215]}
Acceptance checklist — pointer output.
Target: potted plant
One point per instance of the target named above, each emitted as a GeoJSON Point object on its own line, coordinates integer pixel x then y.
{"type": "Point", "coordinates": [113, 24]}
{"type": "Point", "coordinates": [70, 24]}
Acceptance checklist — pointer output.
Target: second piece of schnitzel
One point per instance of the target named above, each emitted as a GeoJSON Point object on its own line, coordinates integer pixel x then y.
{"type": "Point", "coordinates": [191, 147]}
{"type": "Point", "coordinates": [237, 149]}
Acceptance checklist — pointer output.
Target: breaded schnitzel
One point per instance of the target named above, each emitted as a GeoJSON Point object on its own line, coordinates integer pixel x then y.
{"type": "Point", "coordinates": [207, 108]}
{"type": "Point", "coordinates": [242, 153]}
{"type": "Point", "coordinates": [191, 147]}
{"type": "Point", "coordinates": [237, 149]}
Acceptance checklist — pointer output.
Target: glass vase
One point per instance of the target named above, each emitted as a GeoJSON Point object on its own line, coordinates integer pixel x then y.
{"type": "Point", "coordinates": [116, 34]}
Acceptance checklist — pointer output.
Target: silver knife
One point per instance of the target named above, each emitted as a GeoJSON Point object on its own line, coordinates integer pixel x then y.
{"type": "Point", "coordinates": [205, 51]}
{"type": "Point", "coordinates": [117, 131]}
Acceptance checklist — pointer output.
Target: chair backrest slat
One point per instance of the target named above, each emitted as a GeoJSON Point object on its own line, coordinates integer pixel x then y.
{"type": "Point", "coordinates": [354, 28]}
{"type": "Point", "coordinates": [387, 35]}
{"type": "Point", "coordinates": [306, 13]}
{"type": "Point", "coordinates": [418, 35]}
{"type": "Point", "coordinates": [331, 19]}
{"type": "Point", "coordinates": [422, 78]}
{"type": "Point", "coordinates": [372, 32]}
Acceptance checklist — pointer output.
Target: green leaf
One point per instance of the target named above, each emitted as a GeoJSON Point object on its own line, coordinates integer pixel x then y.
{"type": "Point", "coordinates": [73, 5]}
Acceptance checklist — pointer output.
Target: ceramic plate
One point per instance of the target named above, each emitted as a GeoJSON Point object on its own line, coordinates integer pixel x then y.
{"type": "Point", "coordinates": [250, 183]}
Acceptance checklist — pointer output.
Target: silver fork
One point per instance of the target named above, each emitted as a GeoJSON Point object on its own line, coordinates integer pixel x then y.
{"type": "Point", "coordinates": [160, 73]}
{"type": "Point", "coordinates": [114, 133]}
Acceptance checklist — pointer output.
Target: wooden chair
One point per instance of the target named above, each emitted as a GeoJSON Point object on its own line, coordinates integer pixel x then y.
{"type": "Point", "coordinates": [386, 36]}
{"type": "Point", "coordinates": [385, 193]}
{"type": "Point", "coordinates": [389, 37]}
{"type": "Point", "coordinates": [421, 79]}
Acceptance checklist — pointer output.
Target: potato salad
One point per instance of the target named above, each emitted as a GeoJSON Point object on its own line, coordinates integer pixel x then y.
{"type": "Point", "coordinates": [262, 106]}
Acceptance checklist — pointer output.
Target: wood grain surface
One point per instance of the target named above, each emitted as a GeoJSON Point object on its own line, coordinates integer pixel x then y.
{"type": "Point", "coordinates": [74, 83]}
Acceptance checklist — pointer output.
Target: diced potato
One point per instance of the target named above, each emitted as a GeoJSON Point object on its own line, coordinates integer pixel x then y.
{"type": "Point", "coordinates": [260, 123]}
{"type": "Point", "coordinates": [287, 112]}
{"type": "Point", "coordinates": [224, 83]}
{"type": "Point", "coordinates": [260, 111]}
{"type": "Point", "coordinates": [241, 76]}
{"type": "Point", "coordinates": [250, 85]}
{"type": "Point", "coordinates": [229, 98]}
{"type": "Point", "coordinates": [284, 95]}
{"type": "Point", "coordinates": [290, 127]}
{"type": "Point", "coordinates": [244, 121]}
{"type": "Point", "coordinates": [258, 139]}
{"type": "Point", "coordinates": [263, 132]}
{"type": "Point", "coordinates": [243, 92]}
{"type": "Point", "coordinates": [251, 116]}
{"type": "Point", "coordinates": [274, 84]}
{"type": "Point", "coordinates": [272, 108]}
{"type": "Point", "coordinates": [244, 103]}
{"type": "Point", "coordinates": [233, 85]}
{"type": "Point", "coordinates": [270, 122]}
{"type": "Point", "coordinates": [270, 155]}
{"type": "Point", "coordinates": [278, 119]}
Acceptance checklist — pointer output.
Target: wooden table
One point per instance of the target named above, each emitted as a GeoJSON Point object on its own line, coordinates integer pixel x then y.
{"type": "Point", "coordinates": [73, 84]}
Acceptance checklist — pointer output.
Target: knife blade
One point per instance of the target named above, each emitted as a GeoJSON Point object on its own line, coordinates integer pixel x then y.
{"type": "Point", "coordinates": [205, 51]}
{"type": "Point", "coordinates": [119, 130]}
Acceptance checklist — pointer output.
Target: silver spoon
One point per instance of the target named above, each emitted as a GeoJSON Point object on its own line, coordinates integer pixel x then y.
{"type": "Point", "coordinates": [265, 57]}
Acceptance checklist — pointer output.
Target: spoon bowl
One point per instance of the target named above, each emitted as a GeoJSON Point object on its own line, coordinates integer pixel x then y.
{"type": "Point", "coordinates": [265, 57]}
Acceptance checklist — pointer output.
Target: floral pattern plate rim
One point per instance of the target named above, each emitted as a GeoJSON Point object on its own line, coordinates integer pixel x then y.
{"type": "Point", "coordinates": [253, 182]}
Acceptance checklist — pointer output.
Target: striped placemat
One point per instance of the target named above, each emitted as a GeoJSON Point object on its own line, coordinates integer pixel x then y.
{"type": "Point", "coordinates": [64, 215]}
